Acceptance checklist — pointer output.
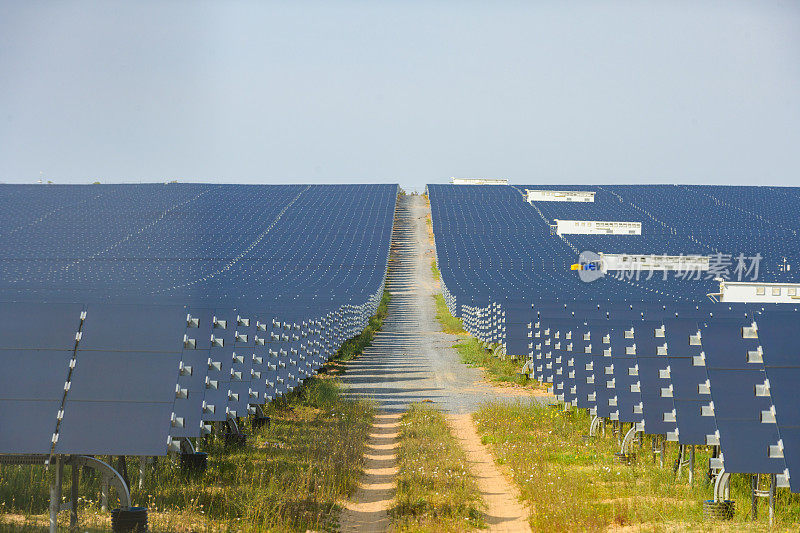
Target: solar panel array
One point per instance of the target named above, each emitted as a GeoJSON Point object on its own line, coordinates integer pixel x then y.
{"type": "Point", "coordinates": [131, 315]}
{"type": "Point", "coordinates": [654, 352]}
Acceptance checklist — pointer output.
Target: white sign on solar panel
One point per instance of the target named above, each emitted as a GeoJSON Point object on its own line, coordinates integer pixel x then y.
{"type": "Point", "coordinates": [535, 195]}
{"type": "Point", "coordinates": [596, 227]}
{"type": "Point", "coordinates": [478, 181]}
{"type": "Point", "coordinates": [758, 292]}
{"type": "Point", "coordinates": [687, 263]}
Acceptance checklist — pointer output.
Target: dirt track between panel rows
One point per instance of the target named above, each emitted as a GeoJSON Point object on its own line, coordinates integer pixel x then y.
{"type": "Point", "coordinates": [412, 360]}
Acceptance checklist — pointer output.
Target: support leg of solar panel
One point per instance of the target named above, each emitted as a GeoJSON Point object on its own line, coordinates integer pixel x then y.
{"type": "Point", "coordinates": [756, 493]}
{"type": "Point", "coordinates": [625, 447]}
{"type": "Point", "coordinates": [143, 463]}
{"type": "Point", "coordinates": [722, 486]}
{"type": "Point", "coordinates": [260, 420]}
{"type": "Point", "coordinates": [686, 459]}
{"type": "Point", "coordinates": [773, 484]}
{"type": "Point", "coordinates": [104, 495]}
{"type": "Point", "coordinates": [659, 448]}
{"type": "Point", "coordinates": [596, 423]}
{"type": "Point", "coordinates": [187, 446]}
{"type": "Point", "coordinates": [73, 497]}
{"type": "Point", "coordinates": [122, 469]}
{"type": "Point", "coordinates": [55, 492]}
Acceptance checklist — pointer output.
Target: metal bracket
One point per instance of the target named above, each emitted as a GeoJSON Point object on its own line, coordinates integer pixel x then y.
{"type": "Point", "coordinates": [756, 493]}
{"type": "Point", "coordinates": [722, 486]}
{"type": "Point", "coordinates": [659, 443]}
{"type": "Point", "coordinates": [187, 446]}
{"type": "Point", "coordinates": [688, 462]}
{"type": "Point", "coordinates": [628, 440]}
{"type": "Point", "coordinates": [596, 423]}
{"type": "Point", "coordinates": [108, 474]}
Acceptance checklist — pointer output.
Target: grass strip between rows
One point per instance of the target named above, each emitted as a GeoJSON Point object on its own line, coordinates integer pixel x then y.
{"type": "Point", "coordinates": [497, 370]}
{"type": "Point", "coordinates": [435, 490]}
{"type": "Point", "coordinates": [449, 323]}
{"type": "Point", "coordinates": [435, 270]}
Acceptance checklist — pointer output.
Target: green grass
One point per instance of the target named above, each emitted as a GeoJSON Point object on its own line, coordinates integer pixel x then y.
{"type": "Point", "coordinates": [497, 370]}
{"type": "Point", "coordinates": [435, 270]}
{"type": "Point", "coordinates": [449, 323]}
{"type": "Point", "coordinates": [577, 486]}
{"type": "Point", "coordinates": [288, 478]}
{"type": "Point", "coordinates": [435, 491]}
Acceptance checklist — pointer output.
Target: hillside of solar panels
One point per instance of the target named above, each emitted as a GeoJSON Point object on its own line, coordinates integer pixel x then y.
{"type": "Point", "coordinates": [658, 351]}
{"type": "Point", "coordinates": [175, 305]}
{"type": "Point", "coordinates": [492, 246]}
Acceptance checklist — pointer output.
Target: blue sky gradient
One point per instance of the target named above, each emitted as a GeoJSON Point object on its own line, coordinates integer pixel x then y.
{"type": "Point", "coordinates": [413, 92]}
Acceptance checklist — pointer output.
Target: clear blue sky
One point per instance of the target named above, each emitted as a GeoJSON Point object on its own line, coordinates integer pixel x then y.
{"type": "Point", "coordinates": [407, 91]}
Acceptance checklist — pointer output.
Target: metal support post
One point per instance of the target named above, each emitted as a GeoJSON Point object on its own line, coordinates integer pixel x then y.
{"type": "Point", "coordinates": [73, 491]}
{"type": "Point", "coordinates": [143, 463]}
{"type": "Point", "coordinates": [55, 493]}
{"type": "Point", "coordinates": [773, 485]}
{"type": "Point", "coordinates": [104, 494]}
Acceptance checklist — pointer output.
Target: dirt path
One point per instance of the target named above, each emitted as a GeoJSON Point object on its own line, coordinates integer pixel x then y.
{"type": "Point", "coordinates": [412, 360]}
{"type": "Point", "coordinates": [504, 512]}
{"type": "Point", "coordinates": [368, 510]}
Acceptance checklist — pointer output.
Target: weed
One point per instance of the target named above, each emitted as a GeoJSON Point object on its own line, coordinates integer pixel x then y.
{"type": "Point", "coordinates": [576, 486]}
{"type": "Point", "coordinates": [449, 323]}
{"type": "Point", "coordinates": [435, 491]}
{"type": "Point", "coordinates": [498, 370]}
{"type": "Point", "coordinates": [435, 270]}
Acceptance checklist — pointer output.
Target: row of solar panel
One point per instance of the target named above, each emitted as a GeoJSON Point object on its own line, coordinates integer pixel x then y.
{"type": "Point", "coordinates": [491, 244]}
{"type": "Point", "coordinates": [194, 303]}
{"type": "Point", "coordinates": [125, 380]}
{"type": "Point", "coordinates": [637, 351]}
{"type": "Point", "coordinates": [707, 375]}
{"type": "Point", "coordinates": [194, 244]}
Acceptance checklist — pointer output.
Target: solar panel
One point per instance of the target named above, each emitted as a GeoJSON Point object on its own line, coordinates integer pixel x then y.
{"type": "Point", "coordinates": [134, 276]}
{"type": "Point", "coordinates": [39, 326]}
{"type": "Point", "coordinates": [777, 330]}
{"type": "Point", "coordinates": [665, 354]}
{"type": "Point", "coordinates": [142, 430]}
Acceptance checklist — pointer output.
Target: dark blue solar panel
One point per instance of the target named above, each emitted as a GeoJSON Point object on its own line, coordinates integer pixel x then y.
{"type": "Point", "coordinates": [33, 374]}
{"type": "Point", "coordinates": [745, 448]}
{"type": "Point", "coordinates": [38, 325]}
{"type": "Point", "coordinates": [124, 377]}
{"type": "Point", "coordinates": [498, 257]}
{"type": "Point", "coordinates": [28, 425]}
{"type": "Point", "coordinates": [777, 333]}
{"type": "Point", "coordinates": [127, 429]}
{"type": "Point", "coordinates": [31, 390]}
{"type": "Point", "coordinates": [152, 266]}
{"type": "Point", "coordinates": [134, 328]}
